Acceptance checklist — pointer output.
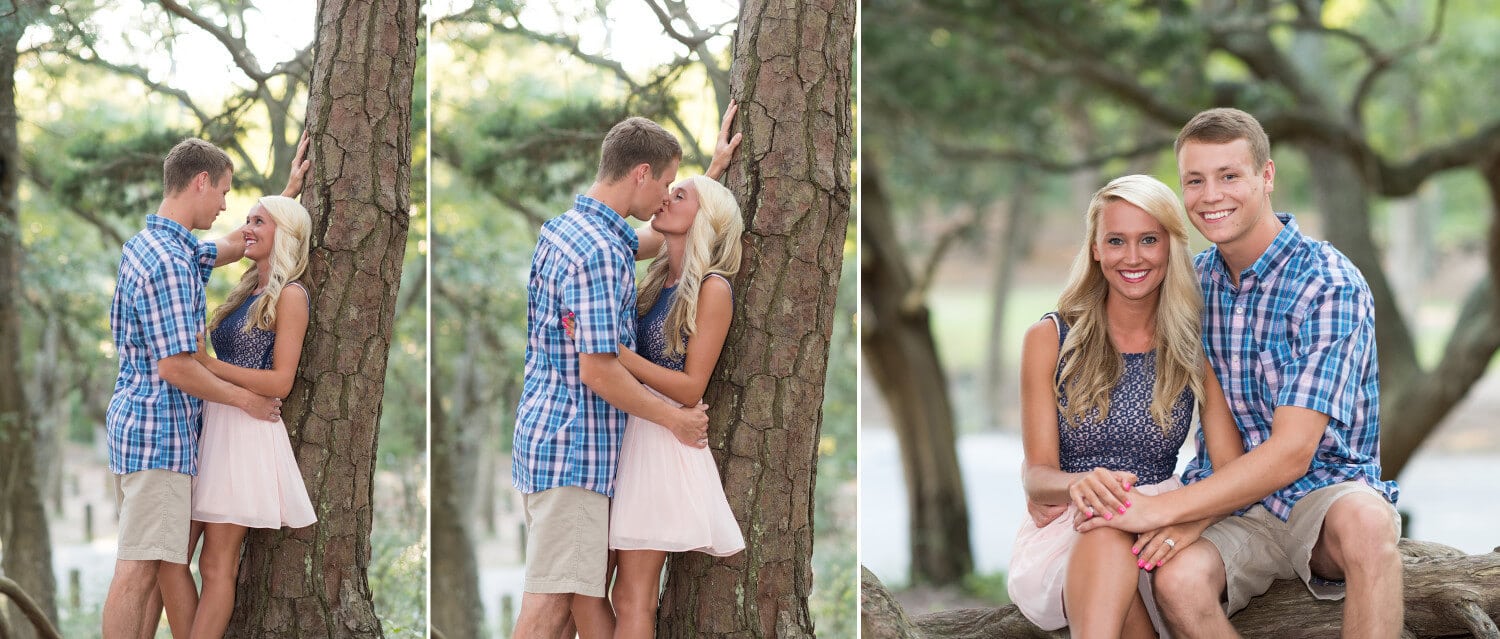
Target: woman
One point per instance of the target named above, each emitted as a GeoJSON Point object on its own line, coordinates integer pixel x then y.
{"type": "Point", "coordinates": [1108, 386]}
{"type": "Point", "coordinates": [248, 477]}
{"type": "Point", "coordinates": [668, 495]}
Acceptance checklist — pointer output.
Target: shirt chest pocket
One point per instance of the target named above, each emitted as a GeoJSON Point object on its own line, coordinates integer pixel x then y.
{"type": "Point", "coordinates": [1267, 368]}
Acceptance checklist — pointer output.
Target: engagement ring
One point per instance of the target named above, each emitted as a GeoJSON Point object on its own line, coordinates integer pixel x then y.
{"type": "Point", "coordinates": [1169, 542]}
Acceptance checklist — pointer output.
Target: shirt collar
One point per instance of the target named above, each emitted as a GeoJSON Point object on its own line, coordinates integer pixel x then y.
{"type": "Point", "coordinates": [1270, 260]}
{"type": "Point", "coordinates": [172, 228]}
{"type": "Point", "coordinates": [616, 222]}
{"type": "Point", "coordinates": [1280, 250]}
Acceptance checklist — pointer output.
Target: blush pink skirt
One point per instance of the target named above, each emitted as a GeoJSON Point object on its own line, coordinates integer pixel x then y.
{"type": "Point", "coordinates": [668, 495]}
{"type": "Point", "coordinates": [1039, 566]}
{"type": "Point", "coordinates": [247, 474]}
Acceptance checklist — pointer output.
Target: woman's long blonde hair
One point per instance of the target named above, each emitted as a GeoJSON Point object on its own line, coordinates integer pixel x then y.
{"type": "Point", "coordinates": [288, 261]}
{"type": "Point", "coordinates": [1090, 365]}
{"type": "Point", "coordinates": [712, 247]}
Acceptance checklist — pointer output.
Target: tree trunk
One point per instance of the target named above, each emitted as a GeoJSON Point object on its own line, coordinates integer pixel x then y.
{"type": "Point", "coordinates": [313, 581]}
{"type": "Point", "coordinates": [792, 76]}
{"type": "Point", "coordinates": [1015, 234]}
{"type": "Point", "coordinates": [455, 571]}
{"type": "Point", "coordinates": [899, 353]}
{"type": "Point", "coordinates": [25, 547]}
{"type": "Point", "coordinates": [1447, 593]}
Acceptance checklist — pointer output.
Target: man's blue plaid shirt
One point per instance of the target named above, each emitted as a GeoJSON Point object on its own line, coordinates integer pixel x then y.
{"type": "Point", "coordinates": [1299, 330]}
{"type": "Point", "coordinates": [157, 312]}
{"type": "Point", "coordinates": [565, 434]}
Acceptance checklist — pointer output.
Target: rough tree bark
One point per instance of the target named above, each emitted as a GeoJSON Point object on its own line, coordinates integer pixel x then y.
{"type": "Point", "coordinates": [1447, 593]}
{"type": "Point", "coordinates": [792, 76]}
{"type": "Point", "coordinates": [899, 352]}
{"type": "Point", "coordinates": [25, 547]}
{"type": "Point", "coordinates": [313, 581]}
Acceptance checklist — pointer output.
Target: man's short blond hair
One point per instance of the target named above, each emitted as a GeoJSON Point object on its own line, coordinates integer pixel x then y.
{"type": "Point", "coordinates": [189, 158]}
{"type": "Point", "coordinates": [633, 142]}
{"type": "Point", "coordinates": [1222, 126]}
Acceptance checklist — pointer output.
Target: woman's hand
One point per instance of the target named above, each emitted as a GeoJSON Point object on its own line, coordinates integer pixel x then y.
{"type": "Point", "coordinates": [202, 353]}
{"type": "Point", "coordinates": [300, 165]}
{"type": "Point", "coordinates": [724, 149]}
{"type": "Point", "coordinates": [1043, 514]}
{"type": "Point", "coordinates": [570, 326]}
{"type": "Point", "coordinates": [1102, 491]}
{"type": "Point", "coordinates": [1154, 548]}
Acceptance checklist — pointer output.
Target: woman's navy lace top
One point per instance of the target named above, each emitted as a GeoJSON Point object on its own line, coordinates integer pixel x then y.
{"type": "Point", "coordinates": [651, 333]}
{"type": "Point", "coordinates": [235, 346]}
{"type": "Point", "coordinates": [1129, 439]}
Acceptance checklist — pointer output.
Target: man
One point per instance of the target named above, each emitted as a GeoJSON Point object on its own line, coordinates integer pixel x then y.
{"type": "Point", "coordinates": [154, 415]}
{"type": "Point", "coordinates": [1288, 325]}
{"type": "Point", "coordinates": [577, 396]}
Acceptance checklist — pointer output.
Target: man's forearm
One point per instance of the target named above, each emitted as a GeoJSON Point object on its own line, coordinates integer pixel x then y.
{"type": "Point", "coordinates": [609, 379]}
{"type": "Point", "coordinates": [1244, 481]}
{"type": "Point", "coordinates": [192, 378]}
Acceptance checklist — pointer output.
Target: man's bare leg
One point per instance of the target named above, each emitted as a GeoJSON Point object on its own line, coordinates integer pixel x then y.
{"type": "Point", "coordinates": [542, 615]}
{"type": "Point", "coordinates": [130, 591]}
{"type": "Point", "coordinates": [1358, 545]}
{"type": "Point", "coordinates": [1188, 590]}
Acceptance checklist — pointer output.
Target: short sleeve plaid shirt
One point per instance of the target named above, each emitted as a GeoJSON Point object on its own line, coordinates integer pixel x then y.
{"type": "Point", "coordinates": [1299, 330]}
{"type": "Point", "coordinates": [157, 312]}
{"type": "Point", "coordinates": [565, 434]}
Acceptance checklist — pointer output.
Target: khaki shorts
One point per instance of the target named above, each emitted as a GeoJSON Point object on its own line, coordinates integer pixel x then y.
{"type": "Point", "coordinates": [1258, 548]}
{"type": "Point", "coordinates": [567, 541]}
{"type": "Point", "coordinates": [154, 506]}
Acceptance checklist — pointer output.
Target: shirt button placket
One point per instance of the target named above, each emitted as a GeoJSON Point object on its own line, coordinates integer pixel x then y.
{"type": "Point", "coordinates": [1240, 341]}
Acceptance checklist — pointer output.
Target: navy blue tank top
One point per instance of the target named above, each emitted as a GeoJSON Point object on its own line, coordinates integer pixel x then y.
{"type": "Point", "coordinates": [1129, 439]}
{"type": "Point", "coordinates": [251, 349]}
{"type": "Point", "coordinates": [651, 331]}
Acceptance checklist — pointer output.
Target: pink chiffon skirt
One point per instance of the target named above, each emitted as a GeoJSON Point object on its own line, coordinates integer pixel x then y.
{"type": "Point", "coordinates": [247, 474]}
{"type": "Point", "coordinates": [1039, 566]}
{"type": "Point", "coordinates": [668, 496]}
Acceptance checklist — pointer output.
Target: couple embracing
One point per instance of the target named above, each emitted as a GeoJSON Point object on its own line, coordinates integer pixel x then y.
{"type": "Point", "coordinates": [1271, 335]}
{"type": "Point", "coordinates": [610, 449]}
{"type": "Point", "coordinates": [196, 443]}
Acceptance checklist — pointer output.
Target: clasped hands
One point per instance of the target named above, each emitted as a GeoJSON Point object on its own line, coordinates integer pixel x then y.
{"type": "Point", "coordinates": [1106, 498]}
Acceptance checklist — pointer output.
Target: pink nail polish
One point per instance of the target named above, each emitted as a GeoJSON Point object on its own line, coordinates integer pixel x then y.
{"type": "Point", "coordinates": [1127, 488]}
{"type": "Point", "coordinates": [1122, 510]}
{"type": "Point", "coordinates": [1135, 551]}
{"type": "Point", "coordinates": [1150, 566]}
{"type": "Point", "coordinates": [1127, 503]}
{"type": "Point", "coordinates": [1108, 517]}
{"type": "Point", "coordinates": [1140, 564]}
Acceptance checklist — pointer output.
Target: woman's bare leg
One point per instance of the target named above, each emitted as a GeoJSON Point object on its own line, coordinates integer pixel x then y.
{"type": "Point", "coordinates": [637, 591]}
{"type": "Point", "coordinates": [219, 565]}
{"type": "Point", "coordinates": [1102, 576]}
{"type": "Point", "coordinates": [1138, 621]}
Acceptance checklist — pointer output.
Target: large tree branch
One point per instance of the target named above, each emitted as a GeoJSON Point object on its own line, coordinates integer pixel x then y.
{"type": "Point", "coordinates": [717, 75]}
{"type": "Point", "coordinates": [141, 75]}
{"type": "Point", "coordinates": [235, 45]}
{"type": "Point", "coordinates": [1447, 593]}
{"type": "Point", "coordinates": [572, 46]}
{"type": "Point", "coordinates": [1055, 165]}
{"type": "Point", "coordinates": [1383, 63]}
{"type": "Point", "coordinates": [1399, 180]}
{"type": "Point", "coordinates": [107, 231]}
{"type": "Point", "coordinates": [678, 11]}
